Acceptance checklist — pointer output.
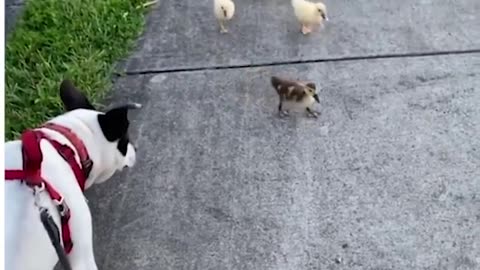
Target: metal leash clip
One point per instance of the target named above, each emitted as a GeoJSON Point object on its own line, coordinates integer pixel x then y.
{"type": "Point", "coordinates": [63, 208]}
{"type": "Point", "coordinates": [37, 190]}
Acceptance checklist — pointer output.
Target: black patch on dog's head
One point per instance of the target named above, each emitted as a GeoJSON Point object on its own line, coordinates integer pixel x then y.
{"type": "Point", "coordinates": [122, 145]}
{"type": "Point", "coordinates": [114, 124]}
{"type": "Point", "coordinates": [72, 98]}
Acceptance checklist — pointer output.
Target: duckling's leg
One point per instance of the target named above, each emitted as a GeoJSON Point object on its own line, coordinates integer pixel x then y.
{"type": "Point", "coordinates": [313, 113]}
{"type": "Point", "coordinates": [306, 29]}
{"type": "Point", "coordinates": [281, 112]}
{"type": "Point", "coordinates": [223, 29]}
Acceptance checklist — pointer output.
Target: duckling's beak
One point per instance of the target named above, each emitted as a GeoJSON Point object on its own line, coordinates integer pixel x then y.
{"type": "Point", "coordinates": [316, 98]}
{"type": "Point", "coordinates": [325, 17]}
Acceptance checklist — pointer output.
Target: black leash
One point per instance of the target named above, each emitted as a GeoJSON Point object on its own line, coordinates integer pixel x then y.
{"type": "Point", "coordinates": [54, 235]}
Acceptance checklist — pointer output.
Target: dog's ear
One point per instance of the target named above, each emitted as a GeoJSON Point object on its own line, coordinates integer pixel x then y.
{"type": "Point", "coordinates": [114, 123]}
{"type": "Point", "coordinates": [72, 98]}
{"type": "Point", "coordinates": [311, 85]}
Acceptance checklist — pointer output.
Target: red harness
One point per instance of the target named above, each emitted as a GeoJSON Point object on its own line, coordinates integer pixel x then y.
{"type": "Point", "coordinates": [31, 173]}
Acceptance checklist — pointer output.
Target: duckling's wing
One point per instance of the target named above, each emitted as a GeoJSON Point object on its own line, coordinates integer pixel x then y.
{"type": "Point", "coordinates": [294, 92]}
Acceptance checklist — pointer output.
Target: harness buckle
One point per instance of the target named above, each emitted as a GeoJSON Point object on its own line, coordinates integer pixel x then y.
{"type": "Point", "coordinates": [62, 208]}
{"type": "Point", "coordinates": [87, 166]}
{"type": "Point", "coordinates": [39, 189]}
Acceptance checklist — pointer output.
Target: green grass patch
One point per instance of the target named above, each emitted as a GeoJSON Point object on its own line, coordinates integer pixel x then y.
{"type": "Point", "coordinates": [76, 39]}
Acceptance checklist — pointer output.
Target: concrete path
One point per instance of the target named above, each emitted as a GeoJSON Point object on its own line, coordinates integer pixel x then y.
{"type": "Point", "coordinates": [13, 9]}
{"type": "Point", "coordinates": [183, 34]}
{"type": "Point", "coordinates": [387, 178]}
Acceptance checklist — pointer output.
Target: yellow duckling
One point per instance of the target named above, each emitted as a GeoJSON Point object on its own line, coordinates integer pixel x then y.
{"type": "Point", "coordinates": [224, 10]}
{"type": "Point", "coordinates": [309, 14]}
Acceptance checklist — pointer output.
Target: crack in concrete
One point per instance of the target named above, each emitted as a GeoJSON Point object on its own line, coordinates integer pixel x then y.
{"type": "Point", "coordinates": [297, 62]}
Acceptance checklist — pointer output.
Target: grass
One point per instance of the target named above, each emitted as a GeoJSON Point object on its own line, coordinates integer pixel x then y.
{"type": "Point", "coordinates": [76, 39]}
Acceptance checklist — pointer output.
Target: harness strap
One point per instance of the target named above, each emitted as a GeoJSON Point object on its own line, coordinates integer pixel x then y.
{"type": "Point", "coordinates": [68, 155]}
{"type": "Point", "coordinates": [31, 174]}
{"type": "Point", "coordinates": [32, 156]}
{"type": "Point", "coordinates": [57, 199]}
{"type": "Point", "coordinates": [85, 160]}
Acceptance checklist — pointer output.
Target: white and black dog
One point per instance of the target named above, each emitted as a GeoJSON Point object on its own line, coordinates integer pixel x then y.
{"type": "Point", "coordinates": [81, 130]}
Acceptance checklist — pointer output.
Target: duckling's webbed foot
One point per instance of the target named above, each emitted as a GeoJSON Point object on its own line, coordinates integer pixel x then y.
{"type": "Point", "coordinates": [223, 29]}
{"type": "Point", "coordinates": [283, 114]}
{"type": "Point", "coordinates": [313, 113]}
{"type": "Point", "coordinates": [305, 29]}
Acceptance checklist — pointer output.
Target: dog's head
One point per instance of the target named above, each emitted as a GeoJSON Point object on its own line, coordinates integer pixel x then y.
{"type": "Point", "coordinates": [105, 134]}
